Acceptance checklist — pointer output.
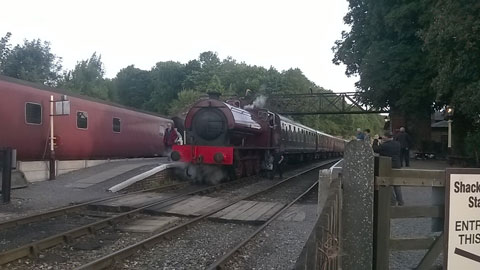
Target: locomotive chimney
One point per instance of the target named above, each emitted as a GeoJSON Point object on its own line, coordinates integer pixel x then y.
{"type": "Point", "coordinates": [214, 95]}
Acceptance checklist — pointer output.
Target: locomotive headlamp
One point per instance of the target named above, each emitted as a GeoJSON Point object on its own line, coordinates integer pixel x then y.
{"type": "Point", "coordinates": [218, 157]}
{"type": "Point", "coordinates": [175, 156]}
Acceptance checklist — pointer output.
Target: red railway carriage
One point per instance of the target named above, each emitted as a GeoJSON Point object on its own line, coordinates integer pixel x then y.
{"type": "Point", "coordinates": [243, 140]}
{"type": "Point", "coordinates": [93, 129]}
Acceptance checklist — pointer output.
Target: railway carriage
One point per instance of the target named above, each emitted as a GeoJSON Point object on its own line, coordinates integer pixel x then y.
{"type": "Point", "coordinates": [94, 129]}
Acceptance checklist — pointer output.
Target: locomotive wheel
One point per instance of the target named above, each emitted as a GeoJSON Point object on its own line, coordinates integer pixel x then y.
{"type": "Point", "coordinates": [249, 170]}
{"type": "Point", "coordinates": [256, 166]}
{"type": "Point", "coordinates": [239, 169]}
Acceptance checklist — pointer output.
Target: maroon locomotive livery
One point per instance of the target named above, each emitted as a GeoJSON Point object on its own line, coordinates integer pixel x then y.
{"type": "Point", "coordinates": [243, 140]}
{"type": "Point", "coordinates": [94, 129]}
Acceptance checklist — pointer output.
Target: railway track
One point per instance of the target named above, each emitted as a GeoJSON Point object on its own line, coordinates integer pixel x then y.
{"type": "Point", "coordinates": [111, 259]}
{"type": "Point", "coordinates": [98, 227]}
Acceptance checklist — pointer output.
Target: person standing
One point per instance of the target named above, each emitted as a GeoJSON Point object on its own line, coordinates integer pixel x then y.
{"type": "Point", "coordinates": [405, 142]}
{"type": "Point", "coordinates": [360, 136]}
{"type": "Point", "coordinates": [391, 148]}
{"type": "Point", "coordinates": [367, 137]}
{"type": "Point", "coordinates": [169, 139]}
{"type": "Point", "coordinates": [278, 159]}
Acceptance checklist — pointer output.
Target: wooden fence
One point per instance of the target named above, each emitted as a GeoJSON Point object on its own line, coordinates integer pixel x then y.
{"type": "Point", "coordinates": [384, 212]}
{"type": "Point", "coordinates": [322, 250]}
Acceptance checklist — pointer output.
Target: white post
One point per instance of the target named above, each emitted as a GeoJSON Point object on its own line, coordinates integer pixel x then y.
{"type": "Point", "coordinates": [52, 147]}
{"type": "Point", "coordinates": [449, 135]}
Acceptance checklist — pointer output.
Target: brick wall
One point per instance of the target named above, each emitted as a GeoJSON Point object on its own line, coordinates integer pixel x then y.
{"type": "Point", "coordinates": [163, 178]}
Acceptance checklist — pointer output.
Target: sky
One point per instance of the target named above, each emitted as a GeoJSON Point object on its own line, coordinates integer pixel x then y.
{"type": "Point", "coordinates": [282, 34]}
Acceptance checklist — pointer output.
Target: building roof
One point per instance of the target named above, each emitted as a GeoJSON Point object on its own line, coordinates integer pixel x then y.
{"type": "Point", "coordinates": [440, 124]}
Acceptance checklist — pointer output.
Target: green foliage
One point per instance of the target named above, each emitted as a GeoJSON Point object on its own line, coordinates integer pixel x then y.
{"type": "Point", "coordinates": [453, 43]}
{"type": "Point", "coordinates": [133, 86]}
{"type": "Point", "coordinates": [472, 144]}
{"type": "Point", "coordinates": [5, 48]}
{"type": "Point", "coordinates": [167, 79]}
{"type": "Point", "coordinates": [384, 48]}
{"type": "Point", "coordinates": [186, 99]}
{"type": "Point", "coordinates": [31, 61]}
{"type": "Point", "coordinates": [87, 79]}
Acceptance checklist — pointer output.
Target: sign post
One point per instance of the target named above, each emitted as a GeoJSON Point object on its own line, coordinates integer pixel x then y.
{"type": "Point", "coordinates": [462, 219]}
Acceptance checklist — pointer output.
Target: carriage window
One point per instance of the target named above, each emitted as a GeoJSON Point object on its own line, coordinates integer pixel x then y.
{"type": "Point", "coordinates": [82, 120]}
{"type": "Point", "coordinates": [116, 124]}
{"type": "Point", "coordinates": [33, 113]}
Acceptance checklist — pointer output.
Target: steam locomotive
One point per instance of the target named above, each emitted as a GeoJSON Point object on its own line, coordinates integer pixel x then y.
{"type": "Point", "coordinates": [242, 141]}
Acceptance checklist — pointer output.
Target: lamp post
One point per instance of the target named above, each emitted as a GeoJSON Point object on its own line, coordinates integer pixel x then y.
{"type": "Point", "coordinates": [449, 120]}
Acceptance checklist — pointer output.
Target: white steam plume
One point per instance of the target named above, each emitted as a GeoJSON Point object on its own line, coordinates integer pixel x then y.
{"type": "Point", "coordinates": [259, 102]}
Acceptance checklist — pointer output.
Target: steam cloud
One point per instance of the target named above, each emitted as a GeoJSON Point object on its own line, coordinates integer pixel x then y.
{"type": "Point", "coordinates": [259, 102]}
{"type": "Point", "coordinates": [204, 174]}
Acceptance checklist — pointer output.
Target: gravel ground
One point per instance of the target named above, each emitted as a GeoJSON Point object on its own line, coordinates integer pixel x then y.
{"type": "Point", "coordinates": [82, 250]}
{"type": "Point", "coordinates": [46, 195]}
{"type": "Point", "coordinates": [27, 233]}
{"type": "Point", "coordinates": [195, 248]}
{"type": "Point", "coordinates": [289, 190]}
{"type": "Point", "coordinates": [279, 245]}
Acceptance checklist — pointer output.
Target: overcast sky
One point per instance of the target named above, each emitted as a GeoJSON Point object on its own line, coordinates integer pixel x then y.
{"type": "Point", "coordinates": [283, 34]}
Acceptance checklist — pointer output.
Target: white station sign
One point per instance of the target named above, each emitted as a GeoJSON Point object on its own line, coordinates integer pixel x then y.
{"type": "Point", "coordinates": [462, 219]}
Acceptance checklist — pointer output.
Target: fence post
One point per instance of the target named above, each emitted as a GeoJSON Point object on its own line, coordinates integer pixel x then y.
{"type": "Point", "coordinates": [357, 215]}
{"type": "Point", "coordinates": [6, 174]}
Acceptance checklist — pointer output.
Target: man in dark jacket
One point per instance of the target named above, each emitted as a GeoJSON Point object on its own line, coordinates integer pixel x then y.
{"type": "Point", "coordinates": [391, 148]}
{"type": "Point", "coordinates": [405, 142]}
{"type": "Point", "coordinates": [278, 163]}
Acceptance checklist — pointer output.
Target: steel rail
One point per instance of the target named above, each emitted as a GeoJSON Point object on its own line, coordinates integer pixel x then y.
{"type": "Point", "coordinates": [69, 209]}
{"type": "Point", "coordinates": [33, 249]}
{"type": "Point", "coordinates": [220, 263]}
{"type": "Point", "coordinates": [111, 259]}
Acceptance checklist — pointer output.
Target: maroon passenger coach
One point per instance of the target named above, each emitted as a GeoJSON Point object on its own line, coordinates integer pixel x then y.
{"type": "Point", "coordinates": [93, 129]}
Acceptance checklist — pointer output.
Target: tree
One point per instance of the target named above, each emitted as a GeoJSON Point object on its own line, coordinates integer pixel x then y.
{"type": "Point", "coordinates": [5, 48]}
{"type": "Point", "coordinates": [167, 79]}
{"type": "Point", "coordinates": [186, 99]}
{"type": "Point", "coordinates": [384, 48]}
{"type": "Point", "coordinates": [453, 42]}
{"type": "Point", "coordinates": [87, 79]}
{"type": "Point", "coordinates": [133, 86]}
{"type": "Point", "coordinates": [31, 61]}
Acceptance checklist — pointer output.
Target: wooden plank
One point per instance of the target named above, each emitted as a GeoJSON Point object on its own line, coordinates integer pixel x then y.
{"type": "Point", "coordinates": [217, 205]}
{"type": "Point", "coordinates": [257, 210]}
{"type": "Point", "coordinates": [207, 205]}
{"type": "Point", "coordinates": [239, 210]}
{"type": "Point", "coordinates": [382, 228]}
{"type": "Point", "coordinates": [402, 181]}
{"type": "Point", "coordinates": [149, 225]}
{"type": "Point", "coordinates": [161, 207]}
{"type": "Point", "coordinates": [182, 206]}
{"type": "Point", "coordinates": [432, 254]}
{"type": "Point", "coordinates": [190, 206]}
{"type": "Point", "coordinates": [411, 243]}
{"type": "Point", "coordinates": [417, 211]}
{"type": "Point", "coordinates": [418, 173]}
{"type": "Point", "coordinates": [228, 209]}
{"type": "Point", "coordinates": [271, 212]}
{"type": "Point", "coordinates": [265, 208]}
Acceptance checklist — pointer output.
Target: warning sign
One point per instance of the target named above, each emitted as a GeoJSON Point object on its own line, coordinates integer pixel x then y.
{"type": "Point", "coordinates": [462, 219]}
